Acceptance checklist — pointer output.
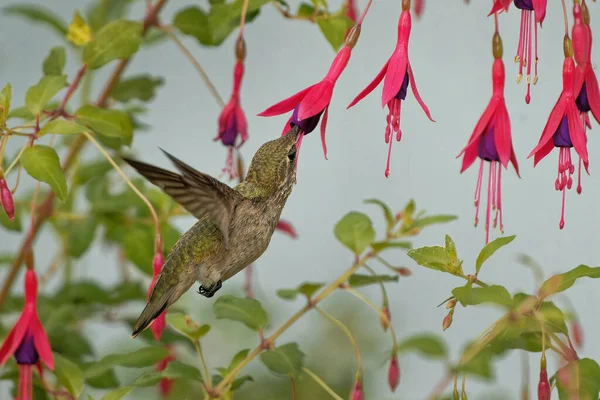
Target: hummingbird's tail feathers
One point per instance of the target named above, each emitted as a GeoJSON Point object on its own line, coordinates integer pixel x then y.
{"type": "Point", "coordinates": [160, 177]}
{"type": "Point", "coordinates": [152, 310]}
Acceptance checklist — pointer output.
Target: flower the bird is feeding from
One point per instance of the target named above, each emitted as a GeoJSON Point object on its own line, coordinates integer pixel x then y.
{"type": "Point", "coordinates": [28, 341]}
{"type": "Point", "coordinates": [533, 13]}
{"type": "Point", "coordinates": [564, 130]}
{"type": "Point", "coordinates": [232, 120]}
{"type": "Point", "coordinates": [491, 142]}
{"type": "Point", "coordinates": [398, 74]}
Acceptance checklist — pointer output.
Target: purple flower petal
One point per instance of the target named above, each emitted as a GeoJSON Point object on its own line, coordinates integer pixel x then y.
{"type": "Point", "coordinates": [402, 92]}
{"type": "Point", "coordinates": [231, 132]}
{"type": "Point", "coordinates": [26, 353]}
{"type": "Point", "coordinates": [562, 137]}
{"type": "Point", "coordinates": [307, 125]}
{"type": "Point", "coordinates": [524, 4]}
{"type": "Point", "coordinates": [486, 148]}
{"type": "Point", "coordinates": [582, 100]}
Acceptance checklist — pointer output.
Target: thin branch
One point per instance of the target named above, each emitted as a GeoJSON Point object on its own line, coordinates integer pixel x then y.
{"type": "Point", "coordinates": [322, 384]}
{"type": "Point", "coordinates": [345, 329]}
{"type": "Point", "coordinates": [204, 366]}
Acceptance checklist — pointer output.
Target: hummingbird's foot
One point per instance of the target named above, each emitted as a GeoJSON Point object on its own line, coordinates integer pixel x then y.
{"type": "Point", "coordinates": [211, 290]}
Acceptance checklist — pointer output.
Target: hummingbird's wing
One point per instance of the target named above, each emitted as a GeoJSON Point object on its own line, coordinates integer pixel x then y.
{"type": "Point", "coordinates": [198, 193]}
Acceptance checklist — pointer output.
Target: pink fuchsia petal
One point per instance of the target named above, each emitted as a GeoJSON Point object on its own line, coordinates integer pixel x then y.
{"type": "Point", "coordinates": [556, 115]}
{"type": "Point", "coordinates": [224, 117]}
{"type": "Point", "coordinates": [15, 336]}
{"type": "Point", "coordinates": [315, 100]}
{"type": "Point", "coordinates": [242, 124]}
{"type": "Point", "coordinates": [370, 86]}
{"type": "Point", "coordinates": [470, 155]}
{"type": "Point", "coordinates": [581, 37]}
{"type": "Point", "coordinates": [484, 120]}
{"type": "Point", "coordinates": [323, 127]}
{"type": "Point", "coordinates": [542, 152]}
{"type": "Point", "coordinates": [500, 6]}
{"type": "Point", "coordinates": [576, 131]}
{"type": "Point", "coordinates": [397, 69]}
{"type": "Point", "coordinates": [286, 128]}
{"type": "Point", "coordinates": [287, 228]}
{"type": "Point", "coordinates": [158, 325]}
{"type": "Point", "coordinates": [41, 342]}
{"type": "Point", "coordinates": [413, 85]}
{"type": "Point", "coordinates": [593, 92]}
{"type": "Point", "coordinates": [502, 137]}
{"type": "Point", "coordinates": [339, 64]}
{"type": "Point", "coordinates": [285, 105]}
{"type": "Point", "coordinates": [513, 161]}
{"type": "Point", "coordinates": [539, 7]}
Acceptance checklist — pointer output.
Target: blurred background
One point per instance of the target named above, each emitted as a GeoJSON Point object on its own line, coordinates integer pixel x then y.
{"type": "Point", "coordinates": [450, 52]}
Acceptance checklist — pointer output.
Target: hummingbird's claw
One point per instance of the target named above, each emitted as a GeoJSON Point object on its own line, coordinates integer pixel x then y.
{"type": "Point", "coordinates": [211, 290]}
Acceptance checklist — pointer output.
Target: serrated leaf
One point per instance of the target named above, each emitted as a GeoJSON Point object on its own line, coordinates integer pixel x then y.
{"type": "Point", "coordinates": [68, 374]}
{"type": "Point", "coordinates": [141, 87]}
{"type": "Point", "coordinates": [490, 249]}
{"type": "Point", "coordinates": [37, 13]}
{"type": "Point", "coordinates": [433, 257]}
{"type": "Point", "coordinates": [579, 378]}
{"type": "Point", "coordinates": [428, 345]}
{"type": "Point", "coordinates": [81, 236]}
{"type": "Point", "coordinates": [5, 99]}
{"type": "Point", "coordinates": [284, 360]}
{"type": "Point", "coordinates": [355, 231]}
{"type": "Point", "coordinates": [144, 357]}
{"type": "Point", "coordinates": [248, 311]}
{"type": "Point", "coordinates": [42, 163]}
{"type": "Point", "coordinates": [380, 246]}
{"type": "Point", "coordinates": [62, 127]}
{"type": "Point", "coordinates": [470, 296]}
{"type": "Point", "coordinates": [185, 325]}
{"type": "Point", "coordinates": [561, 282]}
{"type": "Point", "coordinates": [116, 40]}
{"type": "Point", "coordinates": [111, 123]}
{"type": "Point", "coordinates": [79, 32]}
{"type": "Point", "coordinates": [387, 212]}
{"type": "Point", "coordinates": [357, 280]}
{"type": "Point", "coordinates": [55, 61]}
{"type": "Point", "coordinates": [334, 28]}
{"type": "Point", "coordinates": [38, 95]}
{"type": "Point", "coordinates": [118, 394]}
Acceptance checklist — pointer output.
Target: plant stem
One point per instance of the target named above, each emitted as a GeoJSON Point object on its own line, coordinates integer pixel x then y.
{"type": "Point", "coordinates": [345, 329]}
{"type": "Point", "coordinates": [17, 158]}
{"type": "Point", "coordinates": [322, 383]}
{"type": "Point", "coordinates": [46, 206]}
{"type": "Point", "coordinates": [204, 366]}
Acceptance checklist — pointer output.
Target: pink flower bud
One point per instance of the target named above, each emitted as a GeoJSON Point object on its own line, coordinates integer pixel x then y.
{"type": "Point", "coordinates": [451, 304]}
{"type": "Point", "coordinates": [447, 321]}
{"type": "Point", "coordinates": [544, 386]}
{"type": "Point", "coordinates": [403, 271]}
{"type": "Point", "coordinates": [158, 326]}
{"type": "Point", "coordinates": [357, 391]}
{"type": "Point", "coordinates": [577, 334]}
{"type": "Point", "coordinates": [385, 318]}
{"type": "Point", "coordinates": [287, 228]}
{"type": "Point", "coordinates": [6, 200]}
{"type": "Point", "coordinates": [394, 373]}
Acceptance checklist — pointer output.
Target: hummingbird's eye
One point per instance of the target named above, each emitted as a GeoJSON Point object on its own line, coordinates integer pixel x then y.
{"type": "Point", "coordinates": [292, 153]}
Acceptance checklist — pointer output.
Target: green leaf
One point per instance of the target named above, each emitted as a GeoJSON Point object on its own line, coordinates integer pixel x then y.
{"type": "Point", "coordinates": [470, 296]}
{"type": "Point", "coordinates": [433, 257]}
{"type": "Point", "coordinates": [284, 360]}
{"type": "Point", "coordinates": [238, 358]}
{"type": "Point", "coordinates": [428, 345]}
{"type": "Point", "coordinates": [38, 95]}
{"type": "Point", "coordinates": [451, 253]}
{"type": "Point", "coordinates": [42, 163]}
{"type": "Point", "coordinates": [380, 246]}
{"type": "Point", "coordinates": [307, 289]}
{"type": "Point", "coordinates": [176, 370]}
{"type": "Point", "coordinates": [15, 224]}
{"type": "Point", "coordinates": [561, 282]}
{"type": "Point", "coordinates": [287, 294]}
{"type": "Point", "coordinates": [147, 379]}
{"type": "Point", "coordinates": [582, 378]}
{"type": "Point", "coordinates": [68, 374]}
{"type": "Point", "coordinates": [144, 357]}
{"type": "Point", "coordinates": [194, 22]}
{"type": "Point", "coordinates": [433, 219]}
{"type": "Point", "coordinates": [478, 365]}
{"type": "Point", "coordinates": [357, 280]}
{"type": "Point", "coordinates": [237, 383]}
{"type": "Point", "coordinates": [387, 212]}
{"type": "Point", "coordinates": [138, 244]}
{"type": "Point", "coordinates": [248, 311]}
{"type": "Point", "coordinates": [118, 394]}
{"type": "Point", "coordinates": [37, 13]}
{"type": "Point", "coordinates": [62, 127]}
{"type": "Point", "coordinates": [334, 28]}
{"type": "Point", "coordinates": [116, 40]}
{"type": "Point", "coordinates": [5, 99]}
{"type": "Point", "coordinates": [81, 236]}
{"type": "Point", "coordinates": [111, 123]}
{"type": "Point", "coordinates": [93, 169]}
{"type": "Point", "coordinates": [490, 249]}
{"type": "Point", "coordinates": [547, 312]}
{"type": "Point", "coordinates": [55, 61]}
{"type": "Point", "coordinates": [141, 87]}
{"type": "Point", "coordinates": [184, 324]}
{"type": "Point", "coordinates": [355, 231]}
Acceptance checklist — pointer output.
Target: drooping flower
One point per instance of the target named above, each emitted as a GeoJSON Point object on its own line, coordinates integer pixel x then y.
{"type": "Point", "coordinates": [165, 385]}
{"type": "Point", "coordinates": [28, 341]}
{"type": "Point", "coordinates": [159, 324]}
{"type": "Point", "coordinates": [398, 74]}
{"type": "Point", "coordinates": [232, 120]}
{"type": "Point", "coordinates": [586, 82]}
{"type": "Point", "coordinates": [6, 200]}
{"type": "Point", "coordinates": [357, 391]}
{"type": "Point", "coordinates": [533, 13]}
{"type": "Point", "coordinates": [543, 384]}
{"type": "Point", "coordinates": [564, 129]}
{"type": "Point", "coordinates": [393, 373]}
{"type": "Point", "coordinates": [286, 228]}
{"type": "Point", "coordinates": [491, 142]}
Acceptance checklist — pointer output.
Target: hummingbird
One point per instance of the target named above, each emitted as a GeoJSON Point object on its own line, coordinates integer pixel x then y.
{"type": "Point", "coordinates": [234, 225]}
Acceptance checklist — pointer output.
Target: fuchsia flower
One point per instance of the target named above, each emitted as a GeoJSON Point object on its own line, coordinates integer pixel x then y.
{"type": "Point", "coordinates": [232, 120]}
{"type": "Point", "coordinates": [28, 341]}
{"type": "Point", "coordinates": [357, 391]}
{"type": "Point", "coordinates": [397, 73]}
{"type": "Point", "coordinates": [533, 13]}
{"type": "Point", "coordinates": [564, 130]}
{"type": "Point", "coordinates": [491, 141]}
{"type": "Point", "coordinates": [586, 83]}
{"type": "Point", "coordinates": [418, 7]}
{"type": "Point", "coordinates": [286, 228]}
{"type": "Point", "coordinates": [6, 200]}
{"type": "Point", "coordinates": [159, 324]}
{"type": "Point", "coordinates": [394, 373]}
{"type": "Point", "coordinates": [165, 386]}
{"type": "Point", "coordinates": [543, 384]}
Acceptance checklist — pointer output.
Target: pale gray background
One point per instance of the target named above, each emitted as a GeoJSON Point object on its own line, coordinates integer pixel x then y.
{"type": "Point", "coordinates": [450, 50]}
